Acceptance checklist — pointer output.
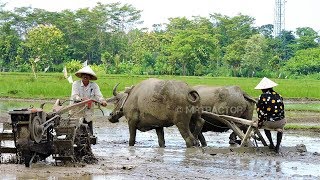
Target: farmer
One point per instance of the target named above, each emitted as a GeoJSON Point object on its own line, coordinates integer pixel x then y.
{"type": "Point", "coordinates": [270, 109]}
{"type": "Point", "coordinates": [86, 89]}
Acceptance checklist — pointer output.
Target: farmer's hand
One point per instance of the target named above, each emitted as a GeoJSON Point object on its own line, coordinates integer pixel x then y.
{"type": "Point", "coordinates": [260, 124]}
{"type": "Point", "coordinates": [104, 103]}
{"type": "Point", "coordinates": [85, 98]}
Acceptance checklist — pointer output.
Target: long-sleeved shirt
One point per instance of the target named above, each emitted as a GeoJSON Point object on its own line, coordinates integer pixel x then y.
{"type": "Point", "coordinates": [91, 91]}
{"type": "Point", "coordinates": [270, 106]}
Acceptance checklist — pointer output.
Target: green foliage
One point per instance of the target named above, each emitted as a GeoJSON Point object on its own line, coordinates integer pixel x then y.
{"type": "Point", "coordinates": [9, 43]}
{"type": "Point", "coordinates": [307, 38]}
{"type": "Point", "coordinates": [305, 62]}
{"type": "Point", "coordinates": [73, 65]}
{"type": "Point", "coordinates": [234, 54]}
{"type": "Point", "coordinates": [45, 42]}
{"type": "Point", "coordinates": [107, 35]}
{"type": "Point", "coordinates": [253, 59]}
{"type": "Point", "coordinates": [98, 69]}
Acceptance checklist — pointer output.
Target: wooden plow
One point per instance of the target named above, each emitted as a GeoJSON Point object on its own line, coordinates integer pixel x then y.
{"type": "Point", "coordinates": [251, 141]}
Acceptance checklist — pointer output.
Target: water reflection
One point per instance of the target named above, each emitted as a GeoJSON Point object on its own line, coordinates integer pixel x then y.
{"type": "Point", "coordinates": [278, 166]}
{"type": "Point", "coordinates": [300, 168]}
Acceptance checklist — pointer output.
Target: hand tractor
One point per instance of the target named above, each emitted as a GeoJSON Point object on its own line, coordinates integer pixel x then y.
{"type": "Point", "coordinates": [61, 133]}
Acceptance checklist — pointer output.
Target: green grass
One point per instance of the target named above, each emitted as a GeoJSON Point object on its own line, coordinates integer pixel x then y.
{"type": "Point", "coordinates": [54, 85]}
{"type": "Point", "coordinates": [313, 107]}
{"type": "Point", "coordinates": [301, 127]}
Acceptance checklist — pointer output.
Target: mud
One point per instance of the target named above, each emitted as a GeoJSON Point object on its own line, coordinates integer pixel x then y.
{"type": "Point", "coordinates": [116, 160]}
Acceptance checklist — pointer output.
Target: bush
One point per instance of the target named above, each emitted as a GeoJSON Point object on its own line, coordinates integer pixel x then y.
{"type": "Point", "coordinates": [25, 67]}
{"type": "Point", "coordinates": [73, 65]}
{"type": "Point", "coordinates": [98, 69]}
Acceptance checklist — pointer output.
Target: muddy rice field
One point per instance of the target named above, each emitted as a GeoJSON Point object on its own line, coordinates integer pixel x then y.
{"type": "Point", "coordinates": [116, 160]}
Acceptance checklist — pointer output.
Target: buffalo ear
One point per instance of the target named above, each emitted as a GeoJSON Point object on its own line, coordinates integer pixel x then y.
{"type": "Point", "coordinates": [128, 89]}
{"type": "Point", "coordinates": [112, 100]}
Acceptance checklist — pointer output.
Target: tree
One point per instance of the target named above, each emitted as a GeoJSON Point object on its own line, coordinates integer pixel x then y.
{"type": "Point", "coordinates": [123, 17]}
{"type": "Point", "coordinates": [284, 45]}
{"type": "Point", "coordinates": [231, 29]}
{"type": "Point", "coordinates": [266, 30]}
{"type": "Point", "coordinates": [253, 59]}
{"type": "Point", "coordinates": [46, 43]}
{"type": "Point", "coordinates": [192, 43]}
{"type": "Point", "coordinates": [306, 38]}
{"type": "Point", "coordinates": [144, 50]}
{"type": "Point", "coordinates": [9, 43]}
{"type": "Point", "coordinates": [234, 55]}
{"type": "Point", "coordinates": [306, 61]}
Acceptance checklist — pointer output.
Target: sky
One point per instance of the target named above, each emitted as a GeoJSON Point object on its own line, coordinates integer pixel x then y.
{"type": "Point", "coordinates": [298, 13]}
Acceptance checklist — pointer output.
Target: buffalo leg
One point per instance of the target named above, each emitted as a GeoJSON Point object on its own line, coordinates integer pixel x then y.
{"type": "Point", "coordinates": [202, 139]}
{"type": "Point", "coordinates": [160, 135]}
{"type": "Point", "coordinates": [233, 138]}
{"type": "Point", "coordinates": [132, 131]}
{"type": "Point", "coordinates": [186, 134]}
{"type": "Point", "coordinates": [199, 122]}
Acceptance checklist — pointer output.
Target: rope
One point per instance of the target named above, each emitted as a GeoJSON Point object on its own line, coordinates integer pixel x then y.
{"type": "Point", "coordinates": [215, 124]}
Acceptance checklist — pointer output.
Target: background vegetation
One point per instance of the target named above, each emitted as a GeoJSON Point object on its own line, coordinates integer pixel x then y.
{"type": "Point", "coordinates": [54, 85]}
{"type": "Point", "coordinates": [109, 37]}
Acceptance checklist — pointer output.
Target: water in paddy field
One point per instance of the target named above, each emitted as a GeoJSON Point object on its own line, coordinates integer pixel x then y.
{"type": "Point", "coordinates": [147, 161]}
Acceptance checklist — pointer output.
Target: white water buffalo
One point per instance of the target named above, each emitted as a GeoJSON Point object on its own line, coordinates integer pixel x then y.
{"type": "Point", "coordinates": [154, 104]}
{"type": "Point", "coordinates": [227, 100]}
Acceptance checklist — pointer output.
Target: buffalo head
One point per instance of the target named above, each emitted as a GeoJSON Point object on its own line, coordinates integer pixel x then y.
{"type": "Point", "coordinates": [118, 100]}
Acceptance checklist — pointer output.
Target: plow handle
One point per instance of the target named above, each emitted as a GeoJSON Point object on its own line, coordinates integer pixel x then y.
{"type": "Point", "coordinates": [60, 109]}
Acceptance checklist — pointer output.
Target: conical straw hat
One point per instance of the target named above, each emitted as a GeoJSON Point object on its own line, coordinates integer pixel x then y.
{"type": "Point", "coordinates": [86, 70]}
{"type": "Point", "coordinates": [266, 83]}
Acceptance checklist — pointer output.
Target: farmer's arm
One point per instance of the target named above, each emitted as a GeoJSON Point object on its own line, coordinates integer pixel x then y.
{"type": "Point", "coordinates": [75, 92]}
{"type": "Point", "coordinates": [261, 110]}
{"type": "Point", "coordinates": [98, 95]}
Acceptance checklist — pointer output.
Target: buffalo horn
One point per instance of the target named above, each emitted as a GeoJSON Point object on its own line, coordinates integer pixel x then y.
{"type": "Point", "coordinates": [115, 89]}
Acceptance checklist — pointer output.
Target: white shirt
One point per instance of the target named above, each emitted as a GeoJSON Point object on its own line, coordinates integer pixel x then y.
{"type": "Point", "coordinates": [80, 91]}
{"type": "Point", "coordinates": [91, 91]}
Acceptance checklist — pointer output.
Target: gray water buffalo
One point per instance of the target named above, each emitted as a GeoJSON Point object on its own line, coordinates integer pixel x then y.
{"type": "Point", "coordinates": [227, 100]}
{"type": "Point", "coordinates": [155, 104]}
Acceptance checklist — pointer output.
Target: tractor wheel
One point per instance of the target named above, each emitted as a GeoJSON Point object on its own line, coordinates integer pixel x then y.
{"type": "Point", "coordinates": [36, 129]}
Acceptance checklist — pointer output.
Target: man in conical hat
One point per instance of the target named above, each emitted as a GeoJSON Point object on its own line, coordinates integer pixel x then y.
{"type": "Point", "coordinates": [270, 109]}
{"type": "Point", "coordinates": [86, 89]}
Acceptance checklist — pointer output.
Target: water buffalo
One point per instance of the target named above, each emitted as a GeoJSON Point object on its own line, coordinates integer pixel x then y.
{"type": "Point", "coordinates": [227, 100]}
{"type": "Point", "coordinates": [154, 104]}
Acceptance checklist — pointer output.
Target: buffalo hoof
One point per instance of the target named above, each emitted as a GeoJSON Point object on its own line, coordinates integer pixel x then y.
{"type": "Point", "coordinates": [204, 144]}
{"type": "Point", "coordinates": [131, 143]}
{"type": "Point", "coordinates": [196, 143]}
{"type": "Point", "coordinates": [231, 141]}
{"type": "Point", "coordinates": [162, 146]}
